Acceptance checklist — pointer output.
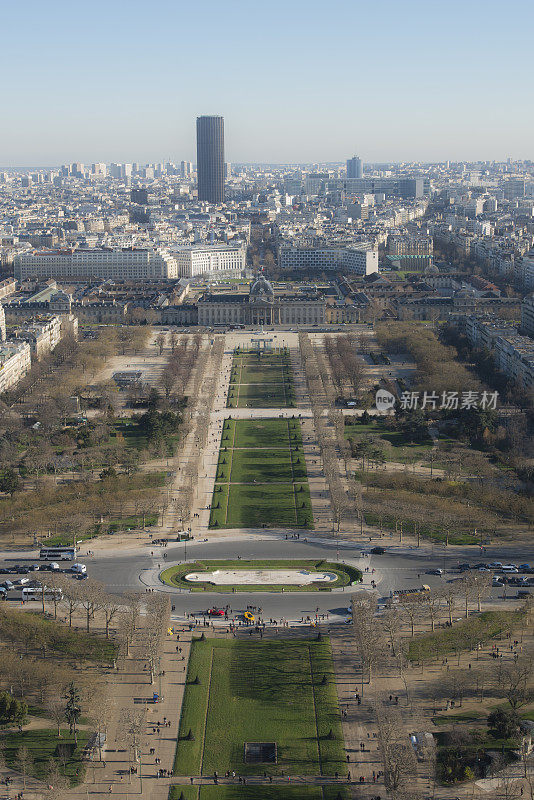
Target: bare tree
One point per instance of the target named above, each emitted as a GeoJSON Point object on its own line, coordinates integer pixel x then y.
{"type": "Point", "coordinates": [366, 632]}
{"type": "Point", "coordinates": [391, 622]}
{"type": "Point", "coordinates": [514, 679]}
{"type": "Point", "coordinates": [92, 600]}
{"type": "Point", "coordinates": [111, 605]}
{"type": "Point", "coordinates": [396, 752]}
{"type": "Point", "coordinates": [24, 762]}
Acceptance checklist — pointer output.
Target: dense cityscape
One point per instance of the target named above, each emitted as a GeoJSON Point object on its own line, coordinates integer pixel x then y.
{"type": "Point", "coordinates": [266, 402]}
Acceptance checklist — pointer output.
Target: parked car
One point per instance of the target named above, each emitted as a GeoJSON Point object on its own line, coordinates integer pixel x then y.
{"type": "Point", "coordinates": [496, 582]}
{"type": "Point", "coordinates": [509, 568]}
{"type": "Point", "coordinates": [524, 566]}
{"type": "Point", "coordinates": [463, 567]}
{"type": "Point", "coordinates": [434, 572]}
{"type": "Point", "coordinates": [215, 612]}
{"type": "Point", "coordinates": [8, 586]}
{"type": "Point", "coordinates": [495, 564]}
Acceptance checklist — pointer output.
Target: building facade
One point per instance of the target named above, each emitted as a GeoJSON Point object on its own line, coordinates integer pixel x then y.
{"type": "Point", "coordinates": [527, 315]}
{"type": "Point", "coordinates": [222, 260]}
{"type": "Point", "coordinates": [42, 334]}
{"type": "Point", "coordinates": [15, 362]}
{"type": "Point", "coordinates": [354, 167]}
{"type": "Point", "coordinates": [260, 307]}
{"type": "Point", "coordinates": [362, 262]}
{"type": "Point", "coordinates": [210, 159]}
{"type": "Point", "coordinates": [80, 264]}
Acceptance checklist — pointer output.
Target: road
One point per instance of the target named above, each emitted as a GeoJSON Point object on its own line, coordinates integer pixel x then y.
{"type": "Point", "coordinates": [400, 567]}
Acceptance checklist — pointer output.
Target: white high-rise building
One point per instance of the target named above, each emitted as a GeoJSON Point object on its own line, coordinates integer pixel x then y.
{"type": "Point", "coordinates": [186, 169]}
{"type": "Point", "coordinates": [100, 169]}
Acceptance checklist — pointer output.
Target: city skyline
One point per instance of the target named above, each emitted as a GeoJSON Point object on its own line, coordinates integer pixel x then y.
{"type": "Point", "coordinates": [392, 84]}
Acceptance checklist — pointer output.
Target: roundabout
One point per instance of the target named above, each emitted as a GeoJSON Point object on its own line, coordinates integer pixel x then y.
{"type": "Point", "coordinates": [260, 576]}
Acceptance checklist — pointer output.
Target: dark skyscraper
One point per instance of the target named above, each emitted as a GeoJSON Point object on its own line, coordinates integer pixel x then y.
{"type": "Point", "coordinates": [210, 159]}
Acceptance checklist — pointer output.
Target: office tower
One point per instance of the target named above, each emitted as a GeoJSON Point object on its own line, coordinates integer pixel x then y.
{"type": "Point", "coordinates": [210, 159]}
{"type": "Point", "coordinates": [227, 170]}
{"type": "Point", "coordinates": [100, 169]}
{"type": "Point", "coordinates": [354, 167]}
{"type": "Point", "coordinates": [186, 169]}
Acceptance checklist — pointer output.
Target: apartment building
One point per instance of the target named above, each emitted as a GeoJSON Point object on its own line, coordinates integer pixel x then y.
{"type": "Point", "coordinates": [43, 334]}
{"type": "Point", "coordinates": [513, 353]}
{"type": "Point", "coordinates": [15, 362]}
{"type": "Point", "coordinates": [80, 264]}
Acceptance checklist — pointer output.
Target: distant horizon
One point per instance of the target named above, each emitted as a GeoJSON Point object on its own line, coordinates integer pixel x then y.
{"type": "Point", "coordinates": [289, 164]}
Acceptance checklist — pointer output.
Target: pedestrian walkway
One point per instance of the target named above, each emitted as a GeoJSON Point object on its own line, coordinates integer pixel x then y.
{"type": "Point", "coordinates": [131, 692]}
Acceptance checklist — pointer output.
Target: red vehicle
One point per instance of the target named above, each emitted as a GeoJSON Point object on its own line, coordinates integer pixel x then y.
{"type": "Point", "coordinates": [215, 612]}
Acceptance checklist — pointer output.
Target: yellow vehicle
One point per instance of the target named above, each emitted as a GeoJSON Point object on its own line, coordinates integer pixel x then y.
{"type": "Point", "coordinates": [405, 595]}
{"type": "Point", "coordinates": [249, 617]}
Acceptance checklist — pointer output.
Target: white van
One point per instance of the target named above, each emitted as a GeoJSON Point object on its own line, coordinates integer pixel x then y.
{"type": "Point", "coordinates": [509, 568]}
{"type": "Point", "coordinates": [78, 569]}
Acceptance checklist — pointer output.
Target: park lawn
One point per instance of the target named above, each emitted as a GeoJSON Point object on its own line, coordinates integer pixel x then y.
{"type": "Point", "coordinates": [259, 395]}
{"type": "Point", "coordinates": [277, 373]}
{"type": "Point", "coordinates": [31, 629]}
{"type": "Point", "coordinates": [267, 433]}
{"type": "Point", "coordinates": [396, 438]}
{"type": "Point", "coordinates": [392, 521]}
{"type": "Point", "coordinates": [303, 505]}
{"type": "Point", "coordinates": [261, 476]}
{"type": "Point", "coordinates": [259, 792]}
{"type": "Point", "coordinates": [260, 691]}
{"type": "Point", "coordinates": [219, 504]}
{"type": "Point", "coordinates": [261, 433]}
{"type": "Point", "coordinates": [251, 506]}
{"type": "Point", "coordinates": [188, 754]}
{"type": "Point", "coordinates": [272, 466]}
{"type": "Point", "coordinates": [463, 635]}
{"type": "Point", "coordinates": [298, 463]}
{"type": "Point", "coordinates": [43, 745]}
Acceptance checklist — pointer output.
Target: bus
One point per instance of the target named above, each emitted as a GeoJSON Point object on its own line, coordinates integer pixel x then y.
{"type": "Point", "coordinates": [35, 593]}
{"type": "Point", "coordinates": [57, 554]}
{"type": "Point", "coordinates": [406, 595]}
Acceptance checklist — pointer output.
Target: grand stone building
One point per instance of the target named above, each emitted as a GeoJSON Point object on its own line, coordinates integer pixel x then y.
{"type": "Point", "coordinates": [262, 306]}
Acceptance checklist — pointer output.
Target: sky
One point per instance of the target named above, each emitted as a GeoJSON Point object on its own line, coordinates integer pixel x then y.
{"type": "Point", "coordinates": [296, 80]}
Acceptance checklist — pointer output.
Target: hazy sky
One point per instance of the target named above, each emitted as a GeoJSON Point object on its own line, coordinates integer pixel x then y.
{"type": "Point", "coordinates": [296, 80]}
